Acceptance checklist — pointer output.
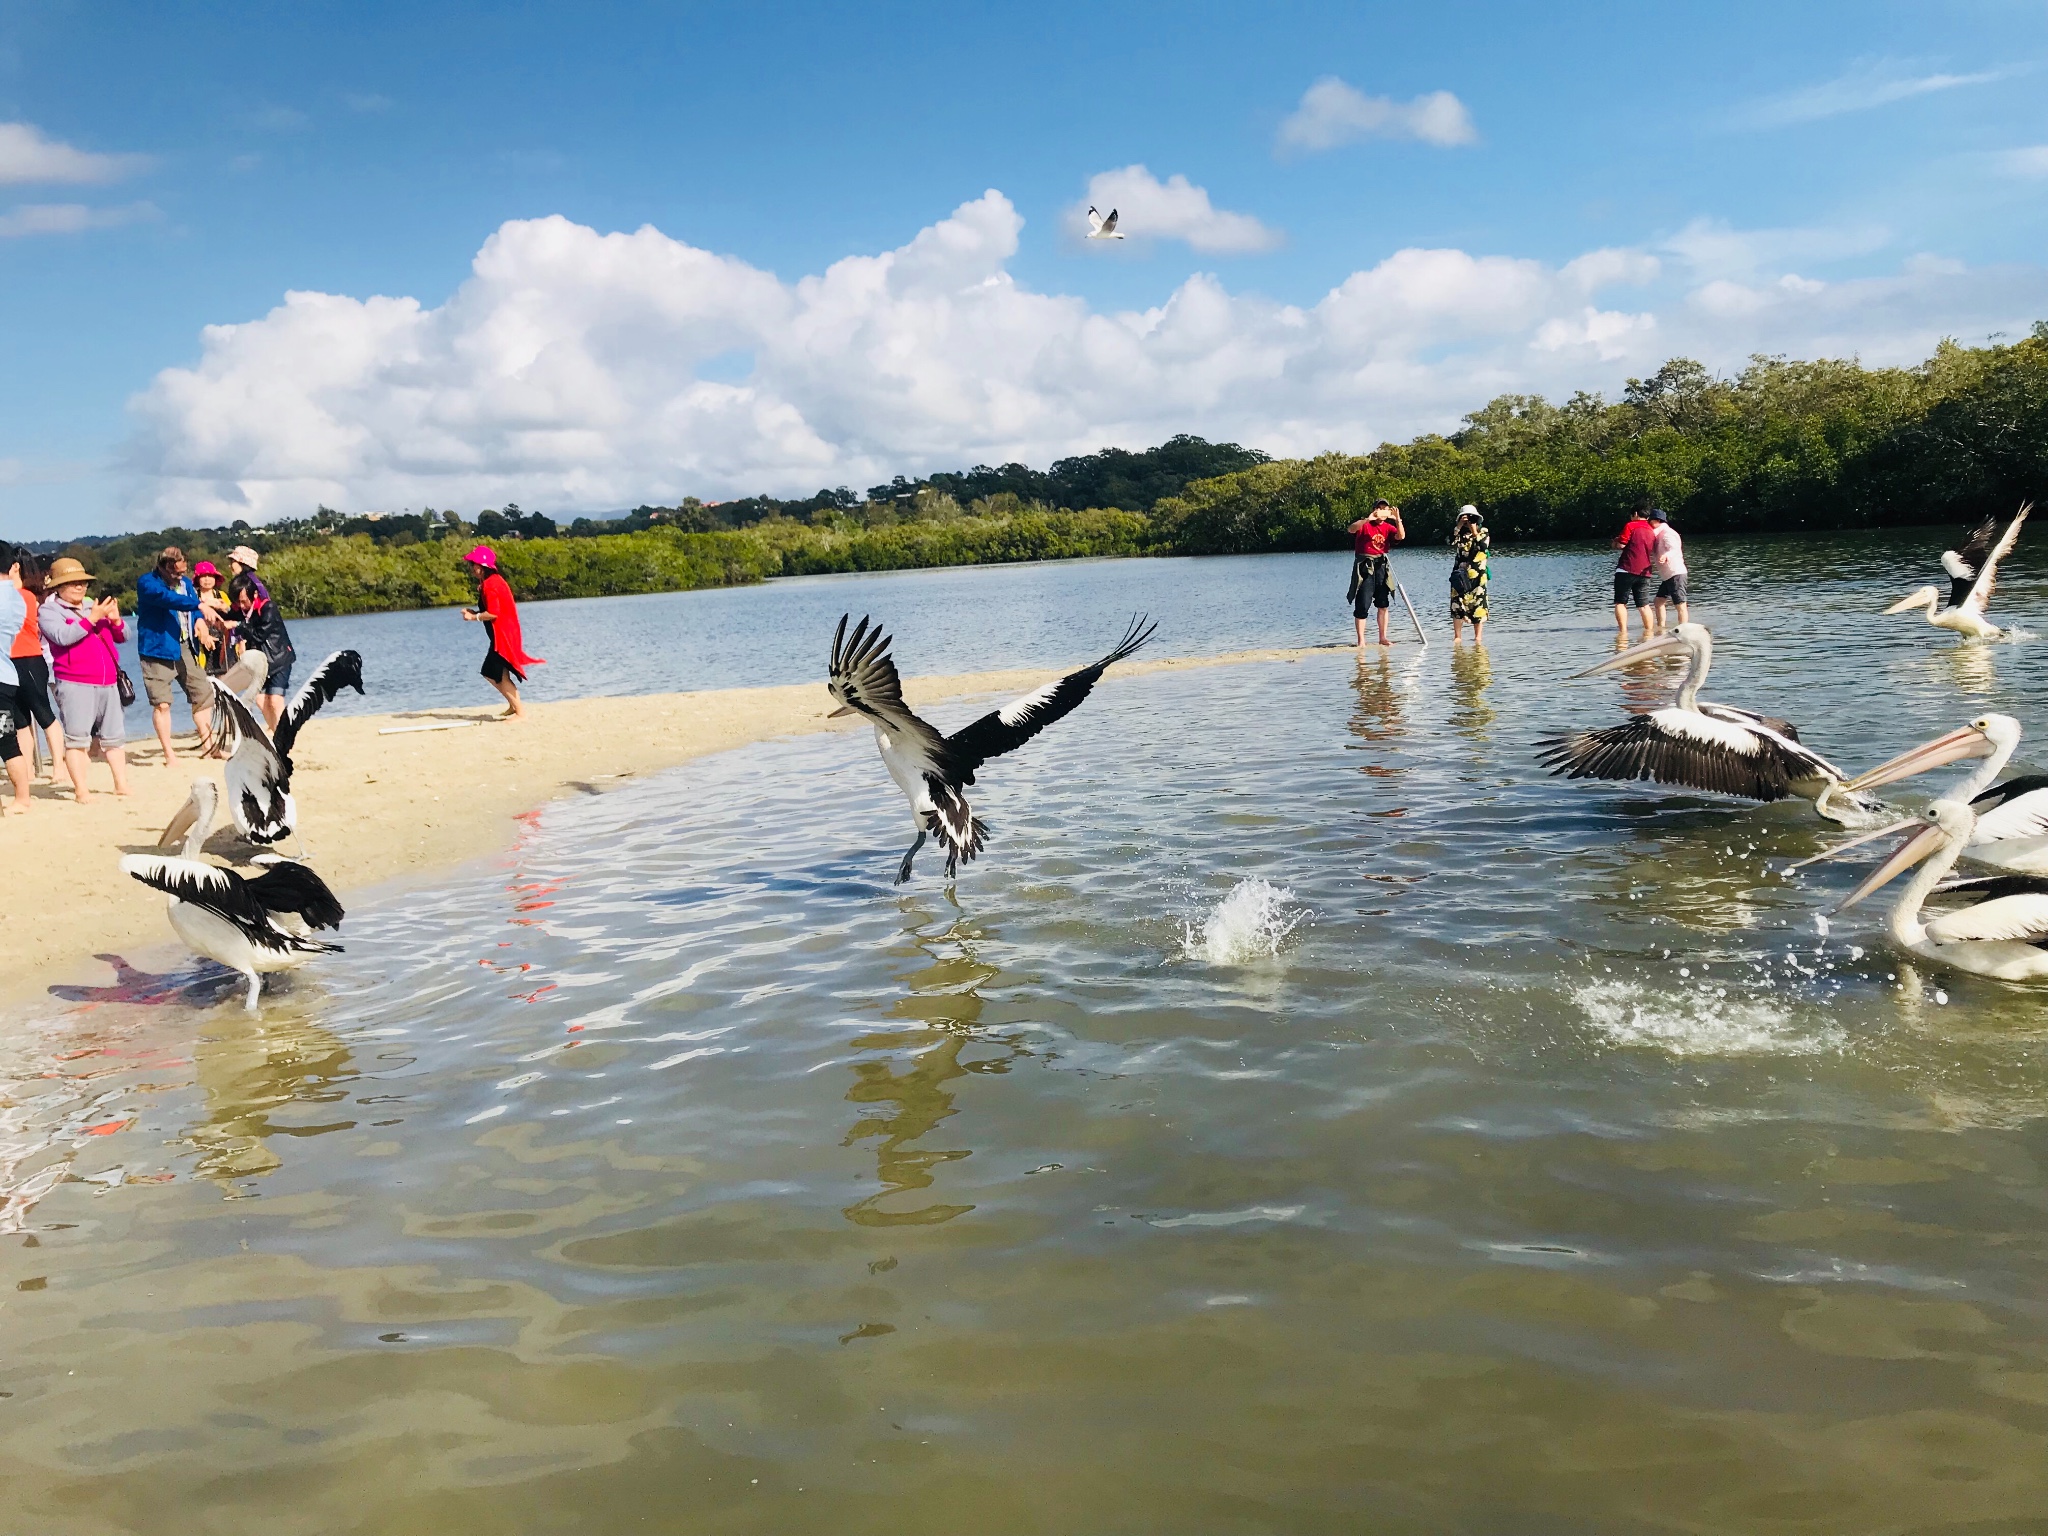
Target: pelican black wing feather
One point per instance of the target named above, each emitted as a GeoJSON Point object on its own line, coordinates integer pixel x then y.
{"type": "Point", "coordinates": [1006, 729]}
{"type": "Point", "coordinates": [223, 893]}
{"type": "Point", "coordinates": [290, 887]}
{"type": "Point", "coordinates": [1978, 545]}
{"type": "Point", "coordinates": [2010, 789]}
{"type": "Point", "coordinates": [344, 669]}
{"type": "Point", "coordinates": [1991, 887]}
{"type": "Point", "coordinates": [1638, 749]}
{"type": "Point", "coordinates": [865, 675]}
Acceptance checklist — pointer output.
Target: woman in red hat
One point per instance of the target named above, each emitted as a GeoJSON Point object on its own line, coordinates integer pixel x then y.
{"type": "Point", "coordinates": [506, 662]}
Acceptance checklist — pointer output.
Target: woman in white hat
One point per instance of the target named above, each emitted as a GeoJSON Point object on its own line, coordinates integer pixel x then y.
{"type": "Point", "coordinates": [1470, 545]}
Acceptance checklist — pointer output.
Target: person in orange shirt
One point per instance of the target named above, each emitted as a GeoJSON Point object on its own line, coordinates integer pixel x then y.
{"type": "Point", "coordinates": [32, 706]}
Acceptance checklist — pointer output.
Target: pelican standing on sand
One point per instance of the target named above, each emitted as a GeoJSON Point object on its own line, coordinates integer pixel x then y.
{"type": "Point", "coordinates": [1714, 747]}
{"type": "Point", "coordinates": [2011, 828]}
{"type": "Point", "coordinates": [254, 926]}
{"type": "Point", "coordinates": [934, 770]}
{"type": "Point", "coordinates": [2004, 936]}
{"type": "Point", "coordinates": [259, 774]}
{"type": "Point", "coordinates": [1973, 576]}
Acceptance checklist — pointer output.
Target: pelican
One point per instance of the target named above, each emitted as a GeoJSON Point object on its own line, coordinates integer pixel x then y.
{"type": "Point", "coordinates": [253, 926]}
{"type": "Point", "coordinates": [259, 774]}
{"type": "Point", "coordinates": [1973, 577]}
{"type": "Point", "coordinates": [933, 770]}
{"type": "Point", "coordinates": [1701, 746]}
{"type": "Point", "coordinates": [2004, 936]}
{"type": "Point", "coordinates": [2011, 830]}
{"type": "Point", "coordinates": [1100, 228]}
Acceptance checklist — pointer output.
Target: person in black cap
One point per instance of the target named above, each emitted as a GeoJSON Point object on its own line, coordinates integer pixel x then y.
{"type": "Point", "coordinates": [1669, 571]}
{"type": "Point", "coordinates": [1372, 578]}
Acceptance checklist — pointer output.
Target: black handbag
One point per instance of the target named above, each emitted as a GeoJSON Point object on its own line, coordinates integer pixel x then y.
{"type": "Point", "coordinates": [126, 685]}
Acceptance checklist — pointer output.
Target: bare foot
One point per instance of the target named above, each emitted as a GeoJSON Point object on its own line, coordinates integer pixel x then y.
{"type": "Point", "coordinates": [81, 799]}
{"type": "Point", "coordinates": [15, 808]}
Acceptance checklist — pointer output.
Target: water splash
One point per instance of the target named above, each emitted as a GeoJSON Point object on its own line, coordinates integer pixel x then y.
{"type": "Point", "coordinates": [1688, 1022]}
{"type": "Point", "coordinates": [1248, 924]}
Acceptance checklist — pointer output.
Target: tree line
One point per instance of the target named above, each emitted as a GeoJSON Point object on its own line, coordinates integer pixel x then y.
{"type": "Point", "coordinates": [1782, 445]}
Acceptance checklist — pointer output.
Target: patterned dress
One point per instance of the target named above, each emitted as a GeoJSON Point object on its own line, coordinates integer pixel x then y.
{"type": "Point", "coordinates": [1468, 575]}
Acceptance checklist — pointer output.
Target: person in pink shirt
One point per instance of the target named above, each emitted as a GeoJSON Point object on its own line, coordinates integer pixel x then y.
{"type": "Point", "coordinates": [85, 662]}
{"type": "Point", "coordinates": [1637, 542]}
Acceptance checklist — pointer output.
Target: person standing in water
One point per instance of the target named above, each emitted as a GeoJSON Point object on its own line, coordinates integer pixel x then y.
{"type": "Point", "coordinates": [1470, 544]}
{"type": "Point", "coordinates": [1637, 542]}
{"type": "Point", "coordinates": [1372, 577]}
{"type": "Point", "coordinates": [505, 663]}
{"type": "Point", "coordinates": [1669, 570]}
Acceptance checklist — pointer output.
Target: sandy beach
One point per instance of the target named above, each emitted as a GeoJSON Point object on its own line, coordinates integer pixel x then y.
{"type": "Point", "coordinates": [377, 807]}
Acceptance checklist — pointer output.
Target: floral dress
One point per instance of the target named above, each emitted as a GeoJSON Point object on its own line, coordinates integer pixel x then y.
{"type": "Point", "coordinates": [1468, 576]}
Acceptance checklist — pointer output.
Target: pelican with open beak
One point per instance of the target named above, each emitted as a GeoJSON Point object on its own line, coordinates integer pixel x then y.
{"type": "Point", "coordinates": [2012, 818]}
{"type": "Point", "coordinates": [1715, 747]}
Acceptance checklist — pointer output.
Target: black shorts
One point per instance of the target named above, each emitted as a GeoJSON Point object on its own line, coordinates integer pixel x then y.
{"type": "Point", "coordinates": [1376, 590]}
{"type": "Point", "coordinates": [32, 693]}
{"type": "Point", "coordinates": [1629, 589]}
{"type": "Point", "coordinates": [1672, 587]}
{"type": "Point", "coordinates": [497, 668]}
{"type": "Point", "coordinates": [10, 744]}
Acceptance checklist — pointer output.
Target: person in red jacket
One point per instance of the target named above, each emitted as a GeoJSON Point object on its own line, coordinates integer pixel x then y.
{"type": "Point", "coordinates": [1637, 542]}
{"type": "Point", "coordinates": [506, 662]}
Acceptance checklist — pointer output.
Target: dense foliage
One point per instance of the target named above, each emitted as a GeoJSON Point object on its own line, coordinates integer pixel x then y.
{"type": "Point", "coordinates": [1782, 445]}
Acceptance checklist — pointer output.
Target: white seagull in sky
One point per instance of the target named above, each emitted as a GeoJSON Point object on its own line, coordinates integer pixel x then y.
{"type": "Point", "coordinates": [933, 770]}
{"type": "Point", "coordinates": [1100, 228]}
{"type": "Point", "coordinates": [252, 926]}
{"type": "Point", "coordinates": [259, 774]}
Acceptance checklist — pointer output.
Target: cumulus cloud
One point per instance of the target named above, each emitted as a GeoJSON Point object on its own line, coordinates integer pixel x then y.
{"type": "Point", "coordinates": [1870, 84]}
{"type": "Point", "coordinates": [579, 371]}
{"type": "Point", "coordinates": [1175, 209]}
{"type": "Point", "coordinates": [28, 155]}
{"type": "Point", "coordinates": [69, 218]}
{"type": "Point", "coordinates": [1332, 113]}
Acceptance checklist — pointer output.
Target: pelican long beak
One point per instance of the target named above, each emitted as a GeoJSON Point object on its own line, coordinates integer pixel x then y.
{"type": "Point", "coordinates": [1966, 741]}
{"type": "Point", "coordinates": [844, 709]}
{"type": "Point", "coordinates": [1855, 842]}
{"type": "Point", "coordinates": [180, 824]}
{"type": "Point", "coordinates": [1663, 645]}
{"type": "Point", "coordinates": [1910, 852]}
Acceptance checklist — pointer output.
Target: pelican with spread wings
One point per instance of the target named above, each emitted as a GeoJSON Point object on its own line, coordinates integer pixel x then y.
{"type": "Point", "coordinates": [932, 770]}
{"type": "Point", "coordinates": [259, 774]}
{"type": "Point", "coordinates": [1972, 577]}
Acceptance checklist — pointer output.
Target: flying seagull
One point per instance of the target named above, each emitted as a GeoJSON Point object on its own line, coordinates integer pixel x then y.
{"type": "Point", "coordinates": [1973, 577]}
{"type": "Point", "coordinates": [1100, 228]}
{"type": "Point", "coordinates": [249, 925]}
{"type": "Point", "coordinates": [259, 774]}
{"type": "Point", "coordinates": [933, 771]}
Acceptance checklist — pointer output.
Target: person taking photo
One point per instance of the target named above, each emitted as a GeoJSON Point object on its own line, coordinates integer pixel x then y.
{"type": "Point", "coordinates": [1372, 577]}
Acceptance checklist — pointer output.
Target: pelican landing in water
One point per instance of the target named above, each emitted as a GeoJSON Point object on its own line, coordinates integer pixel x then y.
{"type": "Point", "coordinates": [1713, 747]}
{"type": "Point", "coordinates": [933, 771]}
{"type": "Point", "coordinates": [2002, 935]}
{"type": "Point", "coordinates": [1973, 576]}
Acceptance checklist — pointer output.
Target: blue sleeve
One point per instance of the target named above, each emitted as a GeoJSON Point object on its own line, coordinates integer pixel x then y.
{"type": "Point", "coordinates": [154, 588]}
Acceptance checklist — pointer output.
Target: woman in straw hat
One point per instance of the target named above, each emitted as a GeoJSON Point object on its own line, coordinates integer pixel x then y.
{"type": "Point", "coordinates": [505, 663]}
{"type": "Point", "coordinates": [85, 657]}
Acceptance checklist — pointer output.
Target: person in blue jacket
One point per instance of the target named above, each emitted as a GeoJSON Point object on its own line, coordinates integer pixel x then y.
{"type": "Point", "coordinates": [165, 606]}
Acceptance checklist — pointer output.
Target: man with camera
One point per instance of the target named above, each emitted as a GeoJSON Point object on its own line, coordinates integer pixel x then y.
{"type": "Point", "coordinates": [1372, 578]}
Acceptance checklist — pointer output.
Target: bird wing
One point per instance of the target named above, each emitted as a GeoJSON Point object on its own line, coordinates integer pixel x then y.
{"type": "Point", "coordinates": [2018, 808]}
{"type": "Point", "coordinates": [258, 775]}
{"type": "Point", "coordinates": [1988, 887]}
{"type": "Point", "coordinates": [1800, 760]}
{"type": "Point", "coordinates": [344, 669]}
{"type": "Point", "coordinates": [2022, 917]}
{"type": "Point", "coordinates": [1006, 729]}
{"type": "Point", "coordinates": [1987, 569]}
{"type": "Point", "coordinates": [223, 893]}
{"type": "Point", "coordinates": [1974, 549]}
{"type": "Point", "coordinates": [1094, 221]}
{"type": "Point", "coordinates": [1109, 224]}
{"type": "Point", "coordinates": [290, 887]}
{"type": "Point", "coordinates": [865, 675]}
{"type": "Point", "coordinates": [1673, 746]}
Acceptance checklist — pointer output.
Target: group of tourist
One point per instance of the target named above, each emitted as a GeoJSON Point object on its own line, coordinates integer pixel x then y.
{"type": "Point", "coordinates": [1651, 551]}
{"type": "Point", "coordinates": [63, 674]}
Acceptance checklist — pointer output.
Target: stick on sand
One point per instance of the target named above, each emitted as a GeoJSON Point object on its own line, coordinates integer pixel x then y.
{"type": "Point", "coordinates": [444, 725]}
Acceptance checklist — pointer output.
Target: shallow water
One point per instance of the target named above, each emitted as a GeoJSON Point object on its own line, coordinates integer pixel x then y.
{"type": "Point", "coordinates": [1516, 1158]}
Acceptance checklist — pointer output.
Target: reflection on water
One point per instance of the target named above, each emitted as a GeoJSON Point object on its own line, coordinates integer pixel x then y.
{"type": "Point", "coordinates": [676, 1172]}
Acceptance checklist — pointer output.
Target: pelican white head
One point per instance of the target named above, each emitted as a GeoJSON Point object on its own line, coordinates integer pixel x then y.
{"type": "Point", "coordinates": [1689, 639]}
{"type": "Point", "coordinates": [1982, 737]}
{"type": "Point", "coordinates": [1943, 823]}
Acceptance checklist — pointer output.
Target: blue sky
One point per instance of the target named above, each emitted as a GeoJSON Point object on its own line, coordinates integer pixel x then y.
{"type": "Point", "coordinates": [1790, 178]}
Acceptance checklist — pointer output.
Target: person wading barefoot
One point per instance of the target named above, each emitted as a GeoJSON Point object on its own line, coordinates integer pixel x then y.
{"type": "Point", "coordinates": [1372, 579]}
{"type": "Point", "coordinates": [505, 663]}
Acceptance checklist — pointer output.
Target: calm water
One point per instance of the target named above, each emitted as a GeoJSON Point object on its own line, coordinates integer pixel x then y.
{"type": "Point", "coordinates": [675, 1173]}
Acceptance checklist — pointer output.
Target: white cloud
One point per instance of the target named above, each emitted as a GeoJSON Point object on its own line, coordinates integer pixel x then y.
{"type": "Point", "coordinates": [28, 155]}
{"type": "Point", "coordinates": [2030, 161]}
{"type": "Point", "coordinates": [1714, 249]}
{"type": "Point", "coordinates": [1333, 113]}
{"type": "Point", "coordinates": [1175, 209]}
{"type": "Point", "coordinates": [577, 371]}
{"type": "Point", "coordinates": [1870, 84]}
{"type": "Point", "coordinates": [70, 218]}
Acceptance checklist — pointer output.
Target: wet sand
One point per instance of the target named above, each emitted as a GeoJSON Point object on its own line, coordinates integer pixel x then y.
{"type": "Point", "coordinates": [376, 807]}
